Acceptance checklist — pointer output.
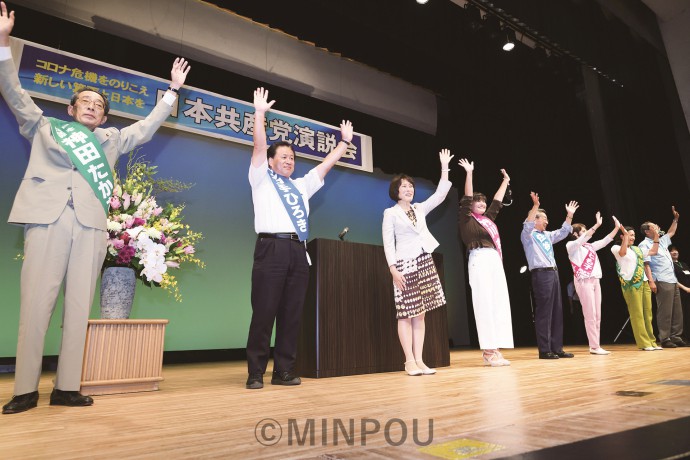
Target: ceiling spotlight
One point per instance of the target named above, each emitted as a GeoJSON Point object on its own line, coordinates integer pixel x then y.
{"type": "Point", "coordinates": [422, 2]}
{"type": "Point", "coordinates": [510, 39]}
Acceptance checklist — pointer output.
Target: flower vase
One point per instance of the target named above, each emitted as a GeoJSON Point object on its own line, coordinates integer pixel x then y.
{"type": "Point", "coordinates": [117, 292]}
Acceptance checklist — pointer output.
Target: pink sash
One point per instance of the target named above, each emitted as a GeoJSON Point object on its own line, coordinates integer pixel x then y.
{"type": "Point", "coordinates": [585, 270]}
{"type": "Point", "coordinates": [491, 228]}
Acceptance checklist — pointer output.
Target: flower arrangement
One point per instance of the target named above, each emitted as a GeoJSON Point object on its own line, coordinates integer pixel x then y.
{"type": "Point", "coordinates": [145, 236]}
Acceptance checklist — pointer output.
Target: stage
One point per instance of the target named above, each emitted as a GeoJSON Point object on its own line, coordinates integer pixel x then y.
{"type": "Point", "coordinates": [204, 411]}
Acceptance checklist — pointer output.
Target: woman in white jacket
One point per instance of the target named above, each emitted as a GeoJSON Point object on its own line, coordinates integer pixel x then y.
{"type": "Point", "coordinates": [587, 273]}
{"type": "Point", "coordinates": [408, 245]}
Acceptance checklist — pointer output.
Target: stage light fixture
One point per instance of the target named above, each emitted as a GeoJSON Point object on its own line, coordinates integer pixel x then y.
{"type": "Point", "coordinates": [474, 17]}
{"type": "Point", "coordinates": [510, 39]}
{"type": "Point", "coordinates": [492, 27]}
{"type": "Point", "coordinates": [422, 2]}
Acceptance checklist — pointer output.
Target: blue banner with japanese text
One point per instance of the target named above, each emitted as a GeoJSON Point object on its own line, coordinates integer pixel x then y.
{"type": "Point", "coordinates": [55, 75]}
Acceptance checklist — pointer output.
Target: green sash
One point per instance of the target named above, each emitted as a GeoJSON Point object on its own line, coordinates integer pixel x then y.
{"type": "Point", "coordinates": [87, 155]}
{"type": "Point", "coordinates": [638, 274]}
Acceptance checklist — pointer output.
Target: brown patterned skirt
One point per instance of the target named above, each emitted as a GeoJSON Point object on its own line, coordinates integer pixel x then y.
{"type": "Point", "coordinates": [423, 291]}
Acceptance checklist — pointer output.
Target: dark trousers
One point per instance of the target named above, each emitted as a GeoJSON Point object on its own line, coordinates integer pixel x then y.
{"type": "Point", "coordinates": [279, 284]}
{"type": "Point", "coordinates": [548, 314]}
{"type": "Point", "coordinates": [669, 312]}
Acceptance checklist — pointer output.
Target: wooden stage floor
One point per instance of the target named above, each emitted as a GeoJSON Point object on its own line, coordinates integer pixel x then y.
{"type": "Point", "coordinates": [204, 411]}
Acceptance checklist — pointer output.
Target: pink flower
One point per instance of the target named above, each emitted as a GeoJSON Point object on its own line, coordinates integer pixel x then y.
{"type": "Point", "coordinates": [138, 221]}
{"type": "Point", "coordinates": [117, 243]}
{"type": "Point", "coordinates": [127, 200]}
{"type": "Point", "coordinates": [157, 211]}
{"type": "Point", "coordinates": [172, 264]}
{"type": "Point", "coordinates": [189, 250]}
{"type": "Point", "coordinates": [114, 202]}
{"type": "Point", "coordinates": [124, 257]}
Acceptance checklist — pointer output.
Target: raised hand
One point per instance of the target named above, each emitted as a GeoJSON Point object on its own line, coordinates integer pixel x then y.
{"type": "Point", "coordinates": [6, 24]}
{"type": "Point", "coordinates": [535, 198]}
{"type": "Point", "coordinates": [616, 224]}
{"type": "Point", "coordinates": [655, 231]}
{"type": "Point", "coordinates": [571, 207]}
{"type": "Point", "coordinates": [445, 157]}
{"type": "Point", "coordinates": [599, 219]}
{"type": "Point", "coordinates": [261, 103]}
{"type": "Point", "coordinates": [346, 130]}
{"type": "Point", "coordinates": [505, 175]}
{"type": "Point", "coordinates": [467, 165]}
{"type": "Point", "coordinates": [179, 72]}
{"type": "Point", "coordinates": [675, 213]}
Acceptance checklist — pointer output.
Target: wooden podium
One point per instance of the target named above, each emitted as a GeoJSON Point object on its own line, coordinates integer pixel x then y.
{"type": "Point", "coordinates": [123, 356]}
{"type": "Point", "coordinates": [349, 325]}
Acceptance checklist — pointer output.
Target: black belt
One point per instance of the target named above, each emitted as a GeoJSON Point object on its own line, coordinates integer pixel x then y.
{"type": "Point", "coordinates": [545, 269]}
{"type": "Point", "coordinates": [281, 236]}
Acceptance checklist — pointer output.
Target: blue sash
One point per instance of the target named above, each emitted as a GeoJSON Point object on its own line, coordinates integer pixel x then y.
{"type": "Point", "coordinates": [294, 205]}
{"type": "Point", "coordinates": [544, 244]}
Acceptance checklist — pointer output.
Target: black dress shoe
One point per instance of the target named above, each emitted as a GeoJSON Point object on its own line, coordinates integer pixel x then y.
{"type": "Point", "coordinates": [668, 344]}
{"type": "Point", "coordinates": [284, 378]}
{"type": "Point", "coordinates": [547, 355]}
{"type": "Point", "coordinates": [255, 381]}
{"type": "Point", "coordinates": [564, 354]}
{"type": "Point", "coordinates": [69, 398]}
{"type": "Point", "coordinates": [21, 403]}
{"type": "Point", "coordinates": [677, 341]}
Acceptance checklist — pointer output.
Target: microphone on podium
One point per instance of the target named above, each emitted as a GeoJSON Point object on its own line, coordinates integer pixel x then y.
{"type": "Point", "coordinates": [341, 235]}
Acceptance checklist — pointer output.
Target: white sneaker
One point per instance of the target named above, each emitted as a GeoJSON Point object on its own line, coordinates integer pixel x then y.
{"type": "Point", "coordinates": [657, 347]}
{"type": "Point", "coordinates": [649, 349]}
{"type": "Point", "coordinates": [599, 351]}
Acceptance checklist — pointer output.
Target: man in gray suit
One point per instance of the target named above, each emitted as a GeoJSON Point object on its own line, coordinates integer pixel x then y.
{"type": "Point", "coordinates": [62, 202]}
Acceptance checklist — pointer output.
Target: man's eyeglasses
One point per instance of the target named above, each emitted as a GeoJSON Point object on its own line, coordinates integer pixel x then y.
{"type": "Point", "coordinates": [86, 101]}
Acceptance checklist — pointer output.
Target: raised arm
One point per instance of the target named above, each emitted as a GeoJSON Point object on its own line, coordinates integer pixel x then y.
{"type": "Point", "coordinates": [468, 166]}
{"type": "Point", "coordinates": [6, 24]}
{"type": "Point", "coordinates": [178, 74]}
{"type": "Point", "coordinates": [346, 133]}
{"type": "Point", "coordinates": [654, 249]}
{"type": "Point", "coordinates": [535, 207]}
{"type": "Point", "coordinates": [616, 227]}
{"type": "Point", "coordinates": [261, 106]}
{"type": "Point", "coordinates": [570, 209]}
{"type": "Point", "coordinates": [444, 156]}
{"type": "Point", "coordinates": [501, 192]}
{"type": "Point", "coordinates": [625, 240]}
{"type": "Point", "coordinates": [597, 224]}
{"type": "Point", "coordinates": [674, 225]}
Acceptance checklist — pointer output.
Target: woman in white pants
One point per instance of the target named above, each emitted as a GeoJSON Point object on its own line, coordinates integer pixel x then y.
{"type": "Point", "coordinates": [485, 268]}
